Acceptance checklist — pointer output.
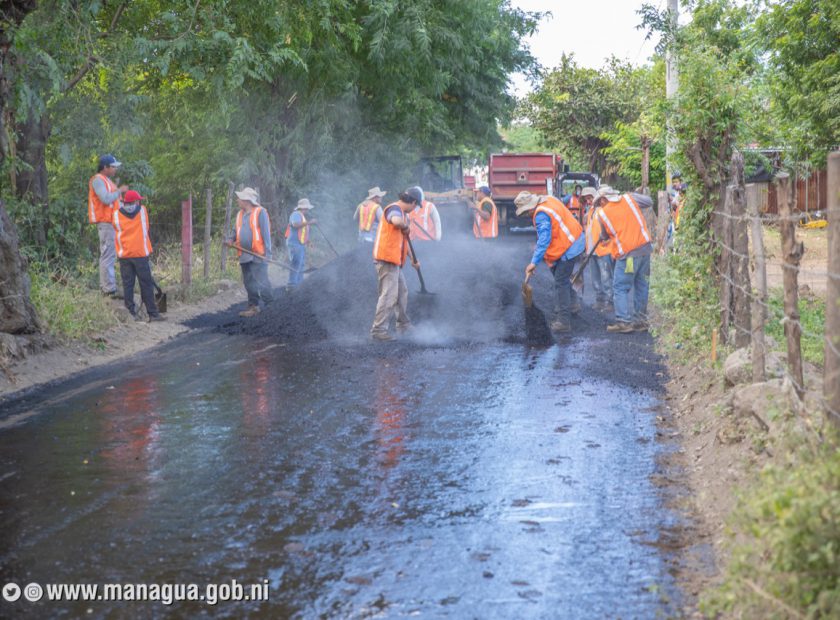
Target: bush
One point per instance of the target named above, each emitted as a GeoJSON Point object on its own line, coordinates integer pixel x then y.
{"type": "Point", "coordinates": [682, 287]}
{"type": "Point", "coordinates": [786, 542]}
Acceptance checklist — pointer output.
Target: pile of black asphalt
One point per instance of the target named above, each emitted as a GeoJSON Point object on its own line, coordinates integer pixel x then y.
{"type": "Point", "coordinates": [476, 298]}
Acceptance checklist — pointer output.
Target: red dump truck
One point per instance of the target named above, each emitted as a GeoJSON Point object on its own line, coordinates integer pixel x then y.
{"type": "Point", "coordinates": [511, 173]}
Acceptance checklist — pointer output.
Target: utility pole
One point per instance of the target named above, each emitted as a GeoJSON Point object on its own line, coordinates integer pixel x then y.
{"type": "Point", "coordinates": [672, 84]}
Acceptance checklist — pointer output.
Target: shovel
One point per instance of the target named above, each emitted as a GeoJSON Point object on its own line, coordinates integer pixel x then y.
{"type": "Point", "coordinates": [577, 282]}
{"type": "Point", "coordinates": [160, 298]}
{"type": "Point", "coordinates": [423, 290]}
{"type": "Point", "coordinates": [268, 260]}
{"type": "Point", "coordinates": [327, 240]}
{"type": "Point", "coordinates": [527, 292]}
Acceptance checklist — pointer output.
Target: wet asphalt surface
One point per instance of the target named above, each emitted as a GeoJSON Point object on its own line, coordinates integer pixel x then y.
{"type": "Point", "coordinates": [439, 476]}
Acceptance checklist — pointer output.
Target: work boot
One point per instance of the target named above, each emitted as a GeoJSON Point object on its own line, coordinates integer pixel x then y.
{"type": "Point", "coordinates": [622, 327]}
{"type": "Point", "coordinates": [402, 330]}
{"type": "Point", "coordinates": [136, 317]}
{"type": "Point", "coordinates": [156, 318]}
{"type": "Point", "coordinates": [640, 326]}
{"type": "Point", "coordinates": [560, 327]}
{"type": "Point", "coordinates": [575, 309]}
{"type": "Point", "coordinates": [382, 336]}
{"type": "Point", "coordinates": [113, 294]}
{"type": "Point", "coordinates": [251, 311]}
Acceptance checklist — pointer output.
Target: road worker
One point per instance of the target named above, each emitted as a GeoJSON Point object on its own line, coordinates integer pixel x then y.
{"type": "Point", "coordinates": [253, 233]}
{"type": "Point", "coordinates": [368, 214]}
{"type": "Point", "coordinates": [485, 215]}
{"type": "Point", "coordinates": [389, 252]}
{"type": "Point", "coordinates": [623, 223]}
{"type": "Point", "coordinates": [297, 238]}
{"type": "Point", "coordinates": [133, 247]}
{"type": "Point", "coordinates": [560, 240]}
{"type": "Point", "coordinates": [425, 220]}
{"type": "Point", "coordinates": [574, 203]}
{"type": "Point", "coordinates": [103, 200]}
{"type": "Point", "coordinates": [601, 263]}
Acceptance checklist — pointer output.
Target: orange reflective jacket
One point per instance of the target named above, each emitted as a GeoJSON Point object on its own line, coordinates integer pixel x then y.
{"type": "Point", "coordinates": [390, 245]}
{"type": "Point", "coordinates": [302, 232]}
{"type": "Point", "coordinates": [257, 242]}
{"type": "Point", "coordinates": [593, 233]}
{"type": "Point", "coordinates": [486, 229]}
{"type": "Point", "coordinates": [421, 217]}
{"type": "Point", "coordinates": [98, 211]}
{"type": "Point", "coordinates": [625, 224]}
{"type": "Point", "coordinates": [132, 234]}
{"type": "Point", "coordinates": [575, 206]}
{"type": "Point", "coordinates": [565, 229]}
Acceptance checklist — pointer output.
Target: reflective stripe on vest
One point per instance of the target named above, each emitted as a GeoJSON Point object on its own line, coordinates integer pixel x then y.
{"type": "Point", "coordinates": [637, 212]}
{"type": "Point", "coordinates": [486, 229]}
{"type": "Point", "coordinates": [612, 232]}
{"type": "Point", "coordinates": [390, 245]}
{"type": "Point", "coordinates": [367, 215]}
{"type": "Point", "coordinates": [132, 234]}
{"type": "Point", "coordinates": [98, 211]}
{"type": "Point", "coordinates": [257, 243]}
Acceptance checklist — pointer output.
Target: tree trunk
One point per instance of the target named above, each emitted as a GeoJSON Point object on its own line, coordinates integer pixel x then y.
{"type": "Point", "coordinates": [32, 179]}
{"type": "Point", "coordinates": [17, 315]}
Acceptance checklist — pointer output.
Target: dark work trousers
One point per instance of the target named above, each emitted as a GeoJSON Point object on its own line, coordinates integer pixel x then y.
{"type": "Point", "coordinates": [142, 270]}
{"type": "Point", "coordinates": [255, 278]}
{"type": "Point", "coordinates": [564, 295]}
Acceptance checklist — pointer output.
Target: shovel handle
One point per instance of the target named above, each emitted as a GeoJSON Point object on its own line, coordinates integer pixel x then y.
{"type": "Point", "coordinates": [415, 263]}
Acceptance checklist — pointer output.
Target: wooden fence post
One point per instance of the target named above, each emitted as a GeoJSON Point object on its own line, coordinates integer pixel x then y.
{"type": "Point", "coordinates": [663, 218]}
{"type": "Point", "coordinates": [226, 231]}
{"type": "Point", "coordinates": [208, 231]}
{"type": "Point", "coordinates": [645, 164]}
{"type": "Point", "coordinates": [791, 254]}
{"type": "Point", "coordinates": [759, 298]}
{"type": "Point", "coordinates": [186, 242]}
{"type": "Point", "coordinates": [831, 378]}
{"type": "Point", "coordinates": [740, 254]}
{"type": "Point", "coordinates": [725, 223]}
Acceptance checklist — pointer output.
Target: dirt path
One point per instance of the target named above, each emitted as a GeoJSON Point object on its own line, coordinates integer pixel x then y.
{"type": "Point", "coordinates": [118, 343]}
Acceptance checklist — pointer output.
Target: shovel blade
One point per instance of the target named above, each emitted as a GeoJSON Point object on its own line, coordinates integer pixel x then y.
{"type": "Point", "coordinates": [527, 295]}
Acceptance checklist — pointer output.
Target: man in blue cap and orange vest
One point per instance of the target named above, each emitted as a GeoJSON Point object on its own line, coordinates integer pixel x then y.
{"type": "Point", "coordinates": [389, 253]}
{"type": "Point", "coordinates": [133, 246]}
{"type": "Point", "coordinates": [103, 200]}
{"type": "Point", "coordinates": [253, 233]}
{"type": "Point", "coordinates": [560, 240]}
{"type": "Point", "coordinates": [485, 215]}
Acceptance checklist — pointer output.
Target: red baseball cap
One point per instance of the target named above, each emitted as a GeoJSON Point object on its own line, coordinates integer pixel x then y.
{"type": "Point", "coordinates": [132, 196]}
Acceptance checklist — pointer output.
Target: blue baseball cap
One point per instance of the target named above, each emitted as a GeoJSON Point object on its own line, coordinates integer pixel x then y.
{"type": "Point", "coordinates": [484, 189]}
{"type": "Point", "coordinates": [108, 160]}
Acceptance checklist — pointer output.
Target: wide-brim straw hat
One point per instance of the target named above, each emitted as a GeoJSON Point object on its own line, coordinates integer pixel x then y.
{"type": "Point", "coordinates": [375, 192]}
{"type": "Point", "coordinates": [249, 194]}
{"type": "Point", "coordinates": [525, 201]}
{"type": "Point", "coordinates": [608, 193]}
{"type": "Point", "coordinates": [304, 203]}
{"type": "Point", "coordinates": [589, 191]}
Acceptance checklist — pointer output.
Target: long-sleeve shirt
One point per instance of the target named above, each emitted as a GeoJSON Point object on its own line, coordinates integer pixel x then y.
{"type": "Point", "coordinates": [542, 222]}
{"type": "Point", "coordinates": [246, 239]}
{"type": "Point", "coordinates": [104, 195]}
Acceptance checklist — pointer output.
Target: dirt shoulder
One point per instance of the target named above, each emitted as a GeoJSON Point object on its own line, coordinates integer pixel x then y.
{"type": "Point", "coordinates": [53, 360]}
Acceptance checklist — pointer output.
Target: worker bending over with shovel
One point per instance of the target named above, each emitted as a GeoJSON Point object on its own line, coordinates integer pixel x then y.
{"type": "Point", "coordinates": [560, 241]}
{"type": "Point", "coordinates": [389, 252]}
{"type": "Point", "coordinates": [624, 225]}
{"type": "Point", "coordinates": [253, 232]}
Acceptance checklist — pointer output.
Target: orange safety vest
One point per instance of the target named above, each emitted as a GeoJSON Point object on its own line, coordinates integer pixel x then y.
{"type": "Point", "coordinates": [98, 211]}
{"type": "Point", "coordinates": [486, 229]}
{"type": "Point", "coordinates": [390, 245]}
{"type": "Point", "coordinates": [132, 234]}
{"type": "Point", "coordinates": [625, 224]}
{"type": "Point", "coordinates": [302, 232]}
{"type": "Point", "coordinates": [575, 206]}
{"type": "Point", "coordinates": [257, 241]}
{"type": "Point", "coordinates": [420, 217]}
{"type": "Point", "coordinates": [367, 215]}
{"type": "Point", "coordinates": [565, 229]}
{"type": "Point", "coordinates": [593, 233]}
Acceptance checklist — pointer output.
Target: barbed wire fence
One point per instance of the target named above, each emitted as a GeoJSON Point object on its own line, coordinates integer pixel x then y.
{"type": "Point", "coordinates": [738, 232]}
